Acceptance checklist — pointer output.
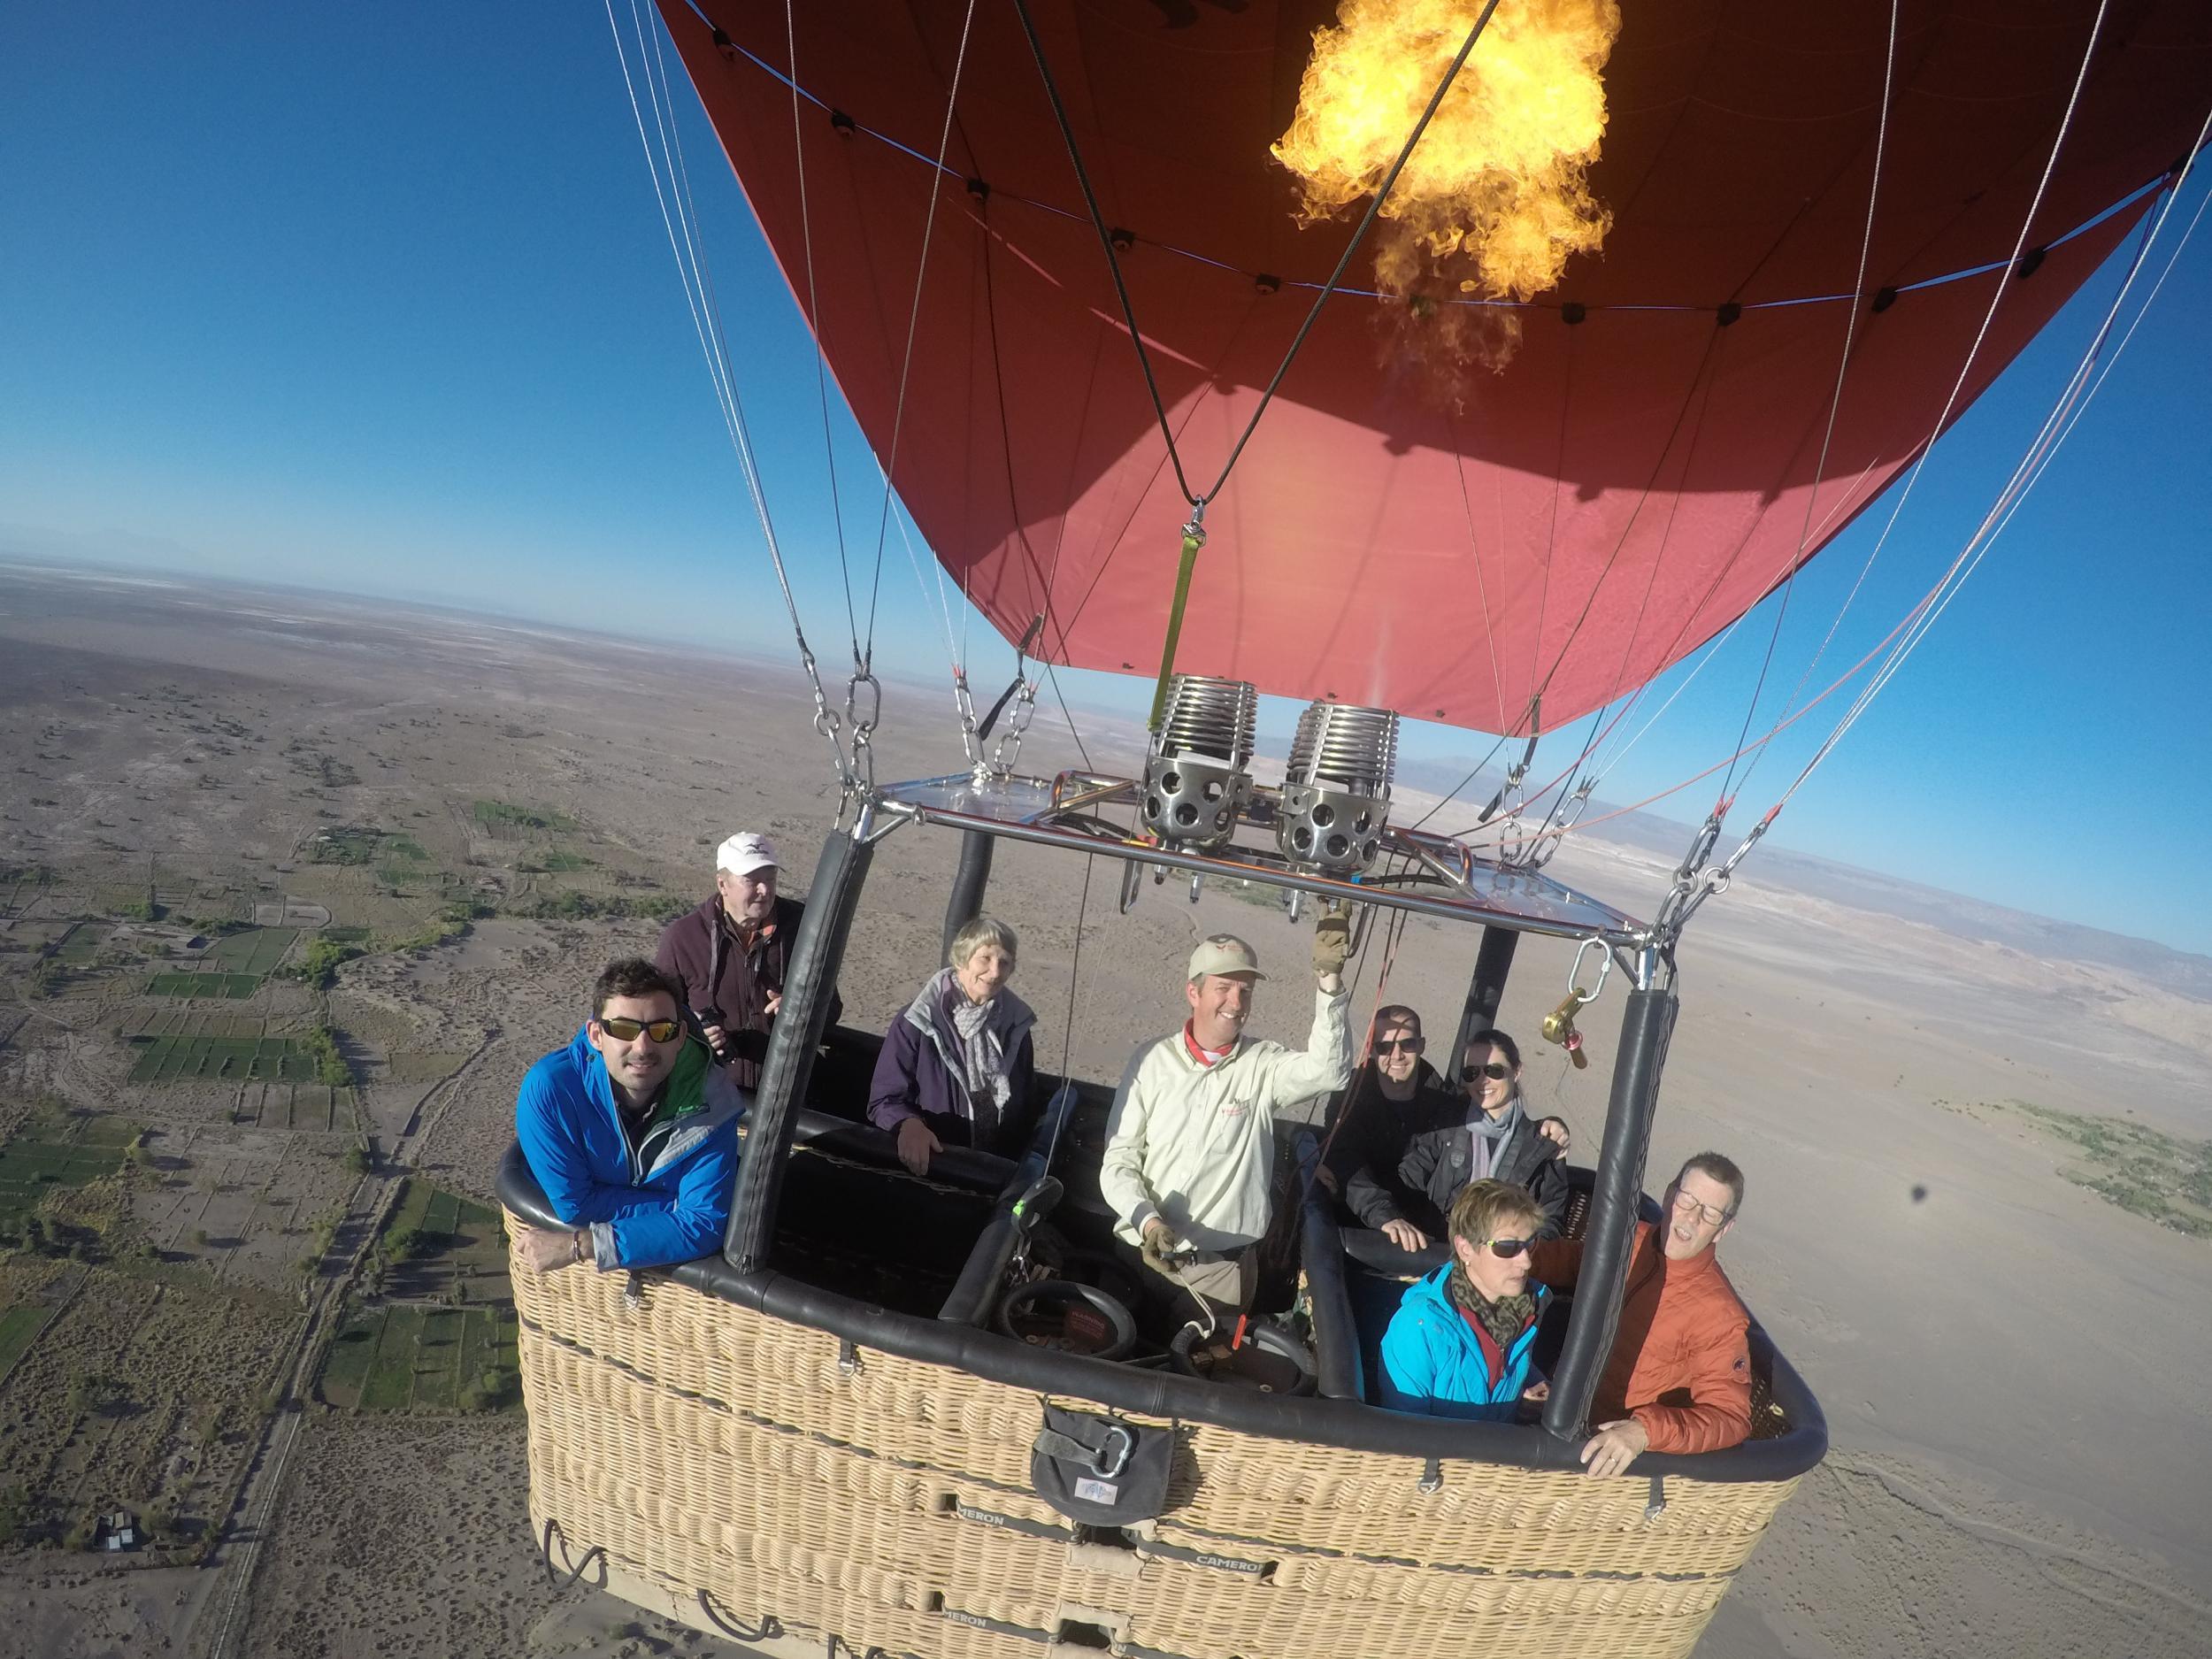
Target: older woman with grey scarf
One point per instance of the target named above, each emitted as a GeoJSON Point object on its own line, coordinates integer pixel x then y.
{"type": "Point", "coordinates": [956, 1067]}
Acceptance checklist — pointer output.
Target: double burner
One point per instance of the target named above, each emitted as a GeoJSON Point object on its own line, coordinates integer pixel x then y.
{"type": "Point", "coordinates": [1197, 778]}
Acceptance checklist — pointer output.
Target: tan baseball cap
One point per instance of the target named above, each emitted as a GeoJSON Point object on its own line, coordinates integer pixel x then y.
{"type": "Point", "coordinates": [1224, 953]}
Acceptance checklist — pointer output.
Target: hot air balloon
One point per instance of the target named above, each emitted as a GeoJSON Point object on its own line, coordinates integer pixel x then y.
{"type": "Point", "coordinates": [1670, 294]}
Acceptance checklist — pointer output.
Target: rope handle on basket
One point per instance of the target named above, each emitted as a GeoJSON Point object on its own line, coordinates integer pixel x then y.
{"type": "Point", "coordinates": [1657, 1506]}
{"type": "Point", "coordinates": [1432, 1476]}
{"type": "Point", "coordinates": [577, 1571]}
{"type": "Point", "coordinates": [770, 1626]}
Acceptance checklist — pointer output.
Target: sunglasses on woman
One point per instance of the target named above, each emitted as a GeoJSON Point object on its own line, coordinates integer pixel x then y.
{"type": "Point", "coordinates": [1504, 1249]}
{"type": "Point", "coordinates": [1496, 1070]}
{"type": "Point", "coordinates": [626, 1030]}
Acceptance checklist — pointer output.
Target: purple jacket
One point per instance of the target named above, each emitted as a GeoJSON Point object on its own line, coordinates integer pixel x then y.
{"type": "Point", "coordinates": [911, 1081]}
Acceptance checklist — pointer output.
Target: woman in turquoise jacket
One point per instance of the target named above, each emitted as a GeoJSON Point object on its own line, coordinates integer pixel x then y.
{"type": "Point", "coordinates": [1459, 1344]}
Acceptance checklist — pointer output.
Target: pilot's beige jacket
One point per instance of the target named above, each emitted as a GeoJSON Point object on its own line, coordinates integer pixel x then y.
{"type": "Point", "coordinates": [1196, 1144]}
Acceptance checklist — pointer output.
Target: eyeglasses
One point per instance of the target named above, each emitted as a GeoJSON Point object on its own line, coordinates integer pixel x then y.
{"type": "Point", "coordinates": [1496, 1070]}
{"type": "Point", "coordinates": [1505, 1249]}
{"type": "Point", "coordinates": [1411, 1045]}
{"type": "Point", "coordinates": [1683, 1204]}
{"type": "Point", "coordinates": [626, 1030]}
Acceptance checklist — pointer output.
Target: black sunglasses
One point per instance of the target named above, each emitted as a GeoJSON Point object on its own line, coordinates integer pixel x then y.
{"type": "Point", "coordinates": [1505, 1249]}
{"type": "Point", "coordinates": [1496, 1070]}
{"type": "Point", "coordinates": [626, 1030]}
{"type": "Point", "coordinates": [1411, 1045]}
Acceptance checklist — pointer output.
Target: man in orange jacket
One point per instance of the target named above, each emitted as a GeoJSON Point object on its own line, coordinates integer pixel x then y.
{"type": "Point", "coordinates": [1678, 1379]}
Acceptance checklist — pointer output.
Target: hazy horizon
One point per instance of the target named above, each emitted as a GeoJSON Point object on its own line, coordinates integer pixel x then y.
{"type": "Point", "coordinates": [1639, 829]}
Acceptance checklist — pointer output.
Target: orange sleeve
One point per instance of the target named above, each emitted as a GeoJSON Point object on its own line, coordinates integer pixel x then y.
{"type": "Point", "coordinates": [1719, 1385]}
{"type": "Point", "coordinates": [1556, 1261]}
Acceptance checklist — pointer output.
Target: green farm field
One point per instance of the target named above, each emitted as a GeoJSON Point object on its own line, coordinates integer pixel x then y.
{"type": "Point", "coordinates": [407, 1358]}
{"type": "Point", "coordinates": [30, 1168]}
{"type": "Point", "coordinates": [19, 1328]}
{"type": "Point", "coordinates": [256, 950]}
{"type": "Point", "coordinates": [222, 1060]}
{"type": "Point", "coordinates": [235, 987]}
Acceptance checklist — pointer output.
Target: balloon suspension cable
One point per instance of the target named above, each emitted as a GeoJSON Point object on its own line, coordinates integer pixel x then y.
{"type": "Point", "coordinates": [673, 198]}
{"type": "Point", "coordinates": [1106, 241]}
{"type": "Point", "coordinates": [1828, 433]}
{"type": "Point", "coordinates": [1194, 539]}
{"type": "Point", "coordinates": [1067, 1034]}
{"type": "Point", "coordinates": [814, 319]}
{"type": "Point", "coordinates": [1966, 367]}
{"type": "Point", "coordinates": [864, 659]}
{"type": "Point", "coordinates": [1534, 720]}
{"type": "Point", "coordinates": [1021, 693]}
{"type": "Point", "coordinates": [1517, 773]}
{"type": "Point", "coordinates": [2066, 413]}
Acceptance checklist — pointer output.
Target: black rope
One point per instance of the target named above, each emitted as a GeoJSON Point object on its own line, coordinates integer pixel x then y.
{"type": "Point", "coordinates": [1106, 241]}
{"type": "Point", "coordinates": [770, 1626]}
{"type": "Point", "coordinates": [552, 1574]}
{"type": "Point", "coordinates": [1374, 208]}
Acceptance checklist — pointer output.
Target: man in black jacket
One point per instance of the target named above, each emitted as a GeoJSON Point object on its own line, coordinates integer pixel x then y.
{"type": "Point", "coordinates": [731, 955]}
{"type": "Point", "coordinates": [1390, 1099]}
{"type": "Point", "coordinates": [1443, 1139]}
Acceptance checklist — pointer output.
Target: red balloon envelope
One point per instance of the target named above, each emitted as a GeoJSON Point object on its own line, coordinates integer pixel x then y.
{"type": "Point", "coordinates": [1626, 486]}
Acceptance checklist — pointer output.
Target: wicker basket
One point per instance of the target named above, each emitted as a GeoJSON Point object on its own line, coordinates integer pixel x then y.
{"type": "Point", "coordinates": [762, 1480]}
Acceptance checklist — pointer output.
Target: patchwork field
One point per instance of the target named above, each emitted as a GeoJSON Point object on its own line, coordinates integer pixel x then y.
{"type": "Point", "coordinates": [205, 1059]}
{"type": "Point", "coordinates": [235, 987]}
{"type": "Point", "coordinates": [402, 1358]}
{"type": "Point", "coordinates": [438, 1332]}
{"type": "Point", "coordinates": [54, 1152]}
{"type": "Point", "coordinates": [135, 1390]}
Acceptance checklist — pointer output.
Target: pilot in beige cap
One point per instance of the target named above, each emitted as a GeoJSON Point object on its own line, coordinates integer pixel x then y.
{"type": "Point", "coordinates": [1190, 1146]}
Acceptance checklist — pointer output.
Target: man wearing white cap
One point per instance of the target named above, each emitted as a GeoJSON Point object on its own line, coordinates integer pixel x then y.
{"type": "Point", "coordinates": [1190, 1145]}
{"type": "Point", "coordinates": [731, 955]}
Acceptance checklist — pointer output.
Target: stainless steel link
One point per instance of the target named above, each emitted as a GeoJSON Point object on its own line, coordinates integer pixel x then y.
{"type": "Point", "coordinates": [1007, 749]}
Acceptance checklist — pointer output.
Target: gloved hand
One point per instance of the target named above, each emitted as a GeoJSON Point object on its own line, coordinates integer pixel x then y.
{"type": "Point", "coordinates": [1159, 1244]}
{"type": "Point", "coordinates": [1332, 941]}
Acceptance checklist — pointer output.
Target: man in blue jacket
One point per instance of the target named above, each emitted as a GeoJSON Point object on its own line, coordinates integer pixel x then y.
{"type": "Point", "coordinates": [1459, 1344]}
{"type": "Point", "coordinates": [631, 1130]}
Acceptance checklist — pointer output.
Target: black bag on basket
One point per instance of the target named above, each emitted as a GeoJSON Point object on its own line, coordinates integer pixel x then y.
{"type": "Point", "coordinates": [1101, 1471]}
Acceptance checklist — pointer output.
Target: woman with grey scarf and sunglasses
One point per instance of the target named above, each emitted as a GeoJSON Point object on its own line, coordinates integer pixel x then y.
{"type": "Point", "coordinates": [956, 1067]}
{"type": "Point", "coordinates": [1493, 1139]}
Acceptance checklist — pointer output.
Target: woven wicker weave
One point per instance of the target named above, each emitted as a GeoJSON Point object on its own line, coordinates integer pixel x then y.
{"type": "Point", "coordinates": [705, 1447]}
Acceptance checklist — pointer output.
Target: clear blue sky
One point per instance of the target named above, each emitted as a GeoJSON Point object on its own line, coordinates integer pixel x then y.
{"type": "Point", "coordinates": [379, 299]}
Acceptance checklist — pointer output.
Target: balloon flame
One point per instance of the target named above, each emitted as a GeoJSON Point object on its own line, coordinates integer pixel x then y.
{"type": "Point", "coordinates": [1495, 198]}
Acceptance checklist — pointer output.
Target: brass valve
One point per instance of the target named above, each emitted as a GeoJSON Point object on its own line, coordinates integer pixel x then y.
{"type": "Point", "coordinates": [1559, 1025]}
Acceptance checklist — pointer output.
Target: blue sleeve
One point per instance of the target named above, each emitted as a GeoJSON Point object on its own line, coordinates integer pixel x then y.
{"type": "Point", "coordinates": [549, 1110]}
{"type": "Point", "coordinates": [891, 1093]}
{"type": "Point", "coordinates": [1408, 1379]}
{"type": "Point", "coordinates": [653, 1232]}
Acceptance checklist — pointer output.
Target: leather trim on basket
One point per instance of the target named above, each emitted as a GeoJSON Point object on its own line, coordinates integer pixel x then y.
{"type": "Point", "coordinates": [1314, 1420]}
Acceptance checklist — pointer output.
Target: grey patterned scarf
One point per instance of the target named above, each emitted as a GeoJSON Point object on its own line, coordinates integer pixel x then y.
{"type": "Point", "coordinates": [1493, 1136]}
{"type": "Point", "coordinates": [977, 1042]}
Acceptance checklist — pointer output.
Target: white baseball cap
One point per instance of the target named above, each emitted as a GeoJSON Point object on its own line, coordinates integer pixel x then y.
{"type": "Point", "coordinates": [746, 852]}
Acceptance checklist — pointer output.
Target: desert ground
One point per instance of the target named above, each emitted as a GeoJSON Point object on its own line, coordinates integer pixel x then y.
{"type": "Point", "coordinates": [396, 845]}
